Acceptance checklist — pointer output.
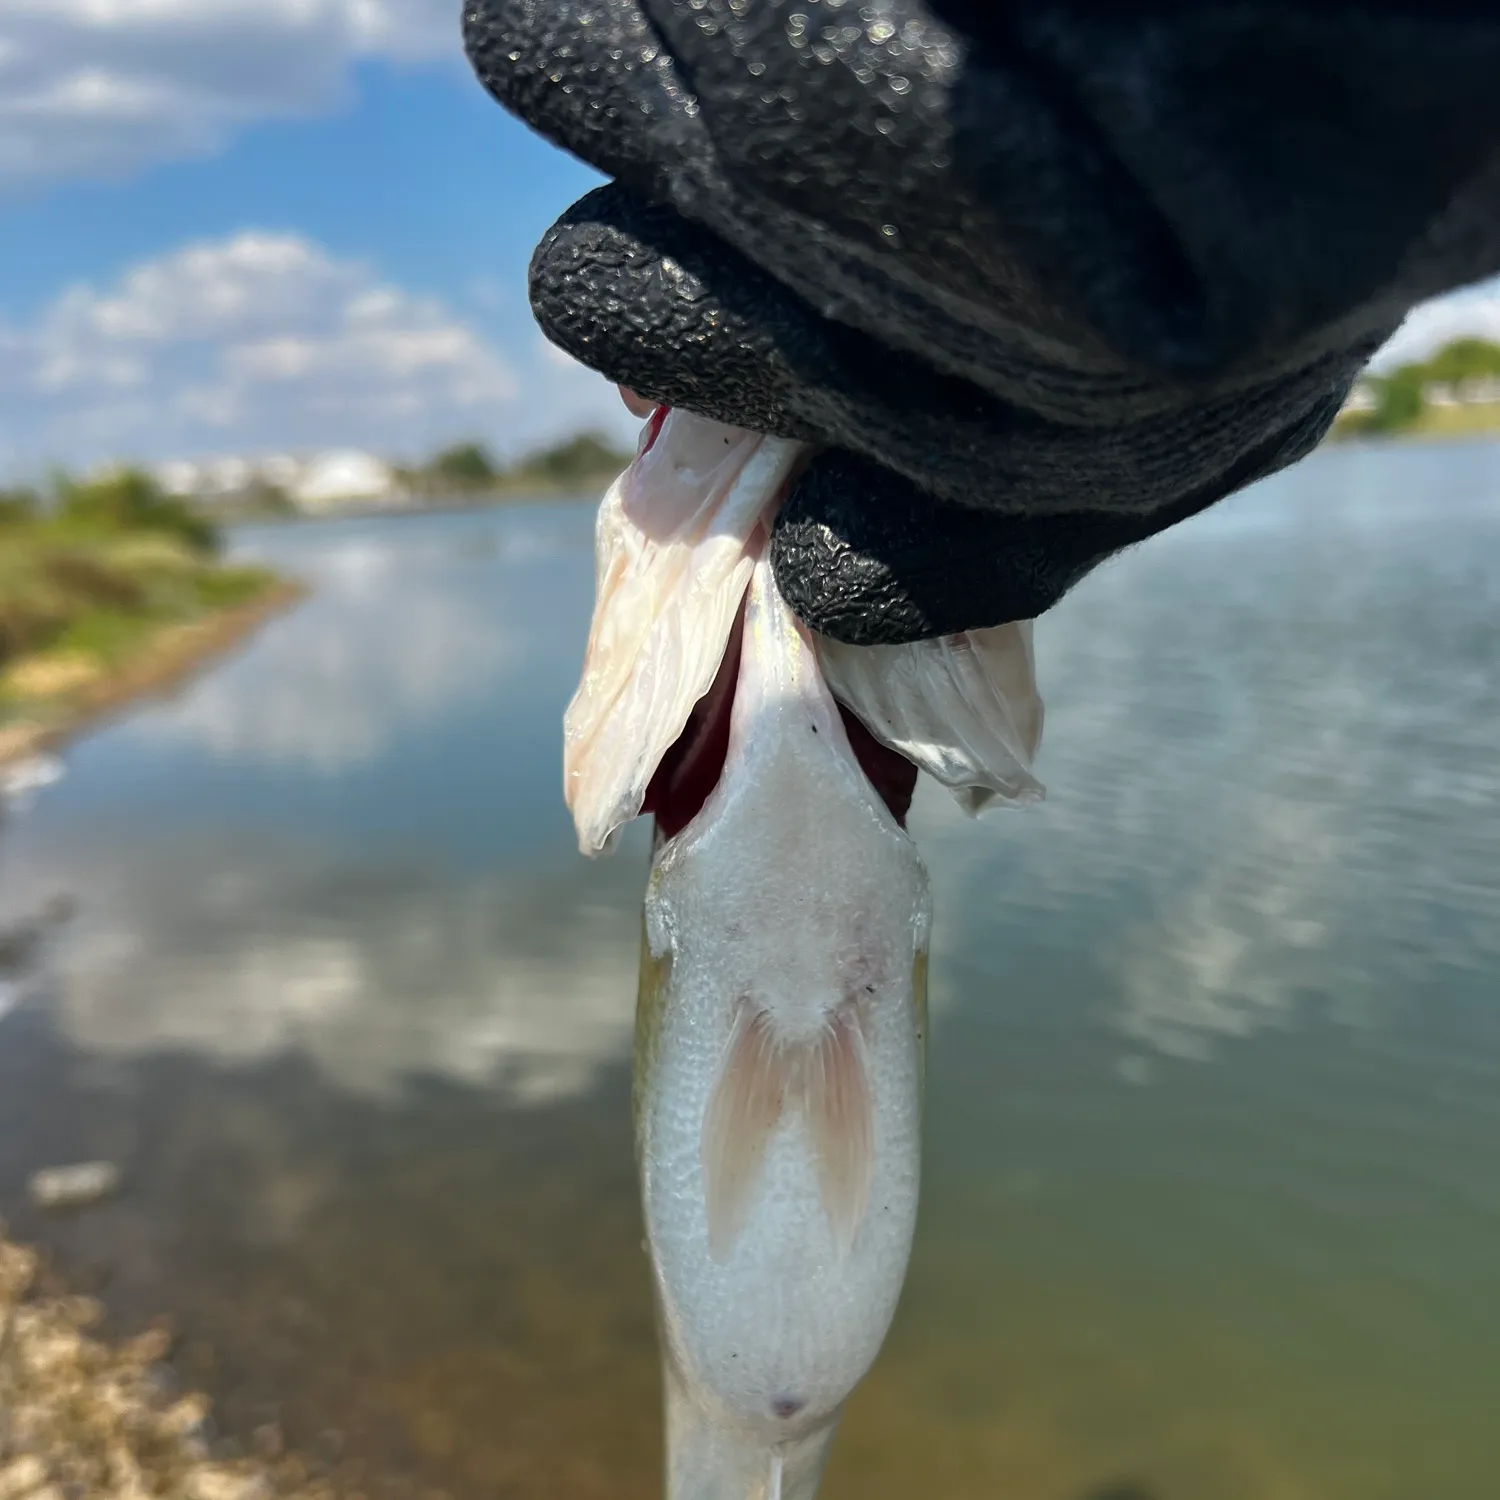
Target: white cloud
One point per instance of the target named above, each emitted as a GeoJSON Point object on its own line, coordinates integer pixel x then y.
{"type": "Point", "coordinates": [1473, 312]}
{"type": "Point", "coordinates": [258, 341]}
{"type": "Point", "coordinates": [101, 87]}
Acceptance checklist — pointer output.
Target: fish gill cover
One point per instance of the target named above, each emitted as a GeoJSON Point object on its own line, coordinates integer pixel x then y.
{"type": "Point", "coordinates": [677, 537]}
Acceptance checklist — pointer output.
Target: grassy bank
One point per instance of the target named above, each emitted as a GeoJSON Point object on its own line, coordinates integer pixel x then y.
{"type": "Point", "coordinates": [109, 589]}
{"type": "Point", "coordinates": [1473, 419]}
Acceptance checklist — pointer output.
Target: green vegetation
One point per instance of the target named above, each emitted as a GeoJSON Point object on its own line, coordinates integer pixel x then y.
{"type": "Point", "coordinates": [570, 465]}
{"type": "Point", "coordinates": [468, 466]}
{"type": "Point", "coordinates": [1451, 393]}
{"type": "Point", "coordinates": [94, 576]}
{"type": "Point", "coordinates": [470, 469]}
{"type": "Point", "coordinates": [1398, 402]}
{"type": "Point", "coordinates": [1463, 360]}
{"type": "Point", "coordinates": [125, 502]}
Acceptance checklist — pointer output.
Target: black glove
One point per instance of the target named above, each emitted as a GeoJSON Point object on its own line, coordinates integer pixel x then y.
{"type": "Point", "coordinates": [1041, 278]}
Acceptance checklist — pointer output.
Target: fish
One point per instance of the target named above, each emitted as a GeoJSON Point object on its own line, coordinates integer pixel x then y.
{"type": "Point", "coordinates": [778, 1080]}
{"type": "Point", "coordinates": [781, 1016]}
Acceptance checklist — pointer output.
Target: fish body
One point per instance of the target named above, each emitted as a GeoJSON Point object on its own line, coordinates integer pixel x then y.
{"type": "Point", "coordinates": [778, 1080]}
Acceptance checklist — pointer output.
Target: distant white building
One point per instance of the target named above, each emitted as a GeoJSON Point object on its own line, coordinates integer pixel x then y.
{"type": "Point", "coordinates": [179, 476]}
{"type": "Point", "coordinates": [227, 476]}
{"type": "Point", "coordinates": [340, 478]}
{"type": "Point", "coordinates": [323, 481]}
{"type": "Point", "coordinates": [209, 478]}
{"type": "Point", "coordinates": [1476, 392]}
{"type": "Point", "coordinates": [282, 469]}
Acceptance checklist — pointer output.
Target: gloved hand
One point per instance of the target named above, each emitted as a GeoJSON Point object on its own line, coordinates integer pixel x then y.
{"type": "Point", "coordinates": [1040, 278]}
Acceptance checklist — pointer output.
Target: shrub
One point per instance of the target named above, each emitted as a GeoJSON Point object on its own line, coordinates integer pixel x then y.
{"type": "Point", "coordinates": [467, 466]}
{"type": "Point", "coordinates": [128, 500]}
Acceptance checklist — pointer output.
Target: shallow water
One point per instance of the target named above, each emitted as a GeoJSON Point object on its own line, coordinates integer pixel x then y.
{"type": "Point", "coordinates": [1212, 1206]}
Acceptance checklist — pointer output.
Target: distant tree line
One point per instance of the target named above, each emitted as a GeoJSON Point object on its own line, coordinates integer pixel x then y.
{"type": "Point", "coordinates": [471, 468]}
{"type": "Point", "coordinates": [1402, 396]}
{"type": "Point", "coordinates": [123, 501]}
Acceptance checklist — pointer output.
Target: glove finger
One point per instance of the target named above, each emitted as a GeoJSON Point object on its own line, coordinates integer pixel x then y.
{"type": "Point", "coordinates": [863, 555]}
{"type": "Point", "coordinates": [592, 76]}
{"type": "Point", "coordinates": [670, 311]}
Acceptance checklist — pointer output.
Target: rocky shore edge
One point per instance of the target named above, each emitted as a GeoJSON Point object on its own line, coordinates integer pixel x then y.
{"type": "Point", "coordinates": [84, 1419]}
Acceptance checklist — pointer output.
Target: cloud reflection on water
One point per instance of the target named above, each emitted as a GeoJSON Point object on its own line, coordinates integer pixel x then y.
{"type": "Point", "coordinates": [1271, 782]}
{"type": "Point", "coordinates": [374, 974]}
{"type": "Point", "coordinates": [383, 644]}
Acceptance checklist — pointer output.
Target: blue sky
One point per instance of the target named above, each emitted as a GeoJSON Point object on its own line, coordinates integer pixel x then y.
{"type": "Point", "coordinates": [239, 226]}
{"type": "Point", "coordinates": [212, 245]}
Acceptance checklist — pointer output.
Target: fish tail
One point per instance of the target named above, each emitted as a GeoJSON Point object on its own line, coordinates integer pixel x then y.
{"type": "Point", "coordinates": [761, 1075]}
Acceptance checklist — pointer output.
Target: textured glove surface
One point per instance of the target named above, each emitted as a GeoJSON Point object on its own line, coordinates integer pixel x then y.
{"type": "Point", "coordinates": [1041, 279]}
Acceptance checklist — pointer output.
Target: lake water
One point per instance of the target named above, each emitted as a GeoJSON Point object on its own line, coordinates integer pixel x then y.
{"type": "Point", "coordinates": [1212, 1195]}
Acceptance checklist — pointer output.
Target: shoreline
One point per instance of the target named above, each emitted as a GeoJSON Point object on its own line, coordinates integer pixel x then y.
{"type": "Point", "coordinates": [1419, 435]}
{"type": "Point", "coordinates": [454, 504]}
{"type": "Point", "coordinates": [85, 1416]}
{"type": "Point", "coordinates": [172, 657]}
{"type": "Point", "coordinates": [1437, 425]}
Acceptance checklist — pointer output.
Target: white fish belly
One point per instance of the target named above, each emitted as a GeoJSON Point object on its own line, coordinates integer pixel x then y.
{"type": "Point", "coordinates": [780, 1331]}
